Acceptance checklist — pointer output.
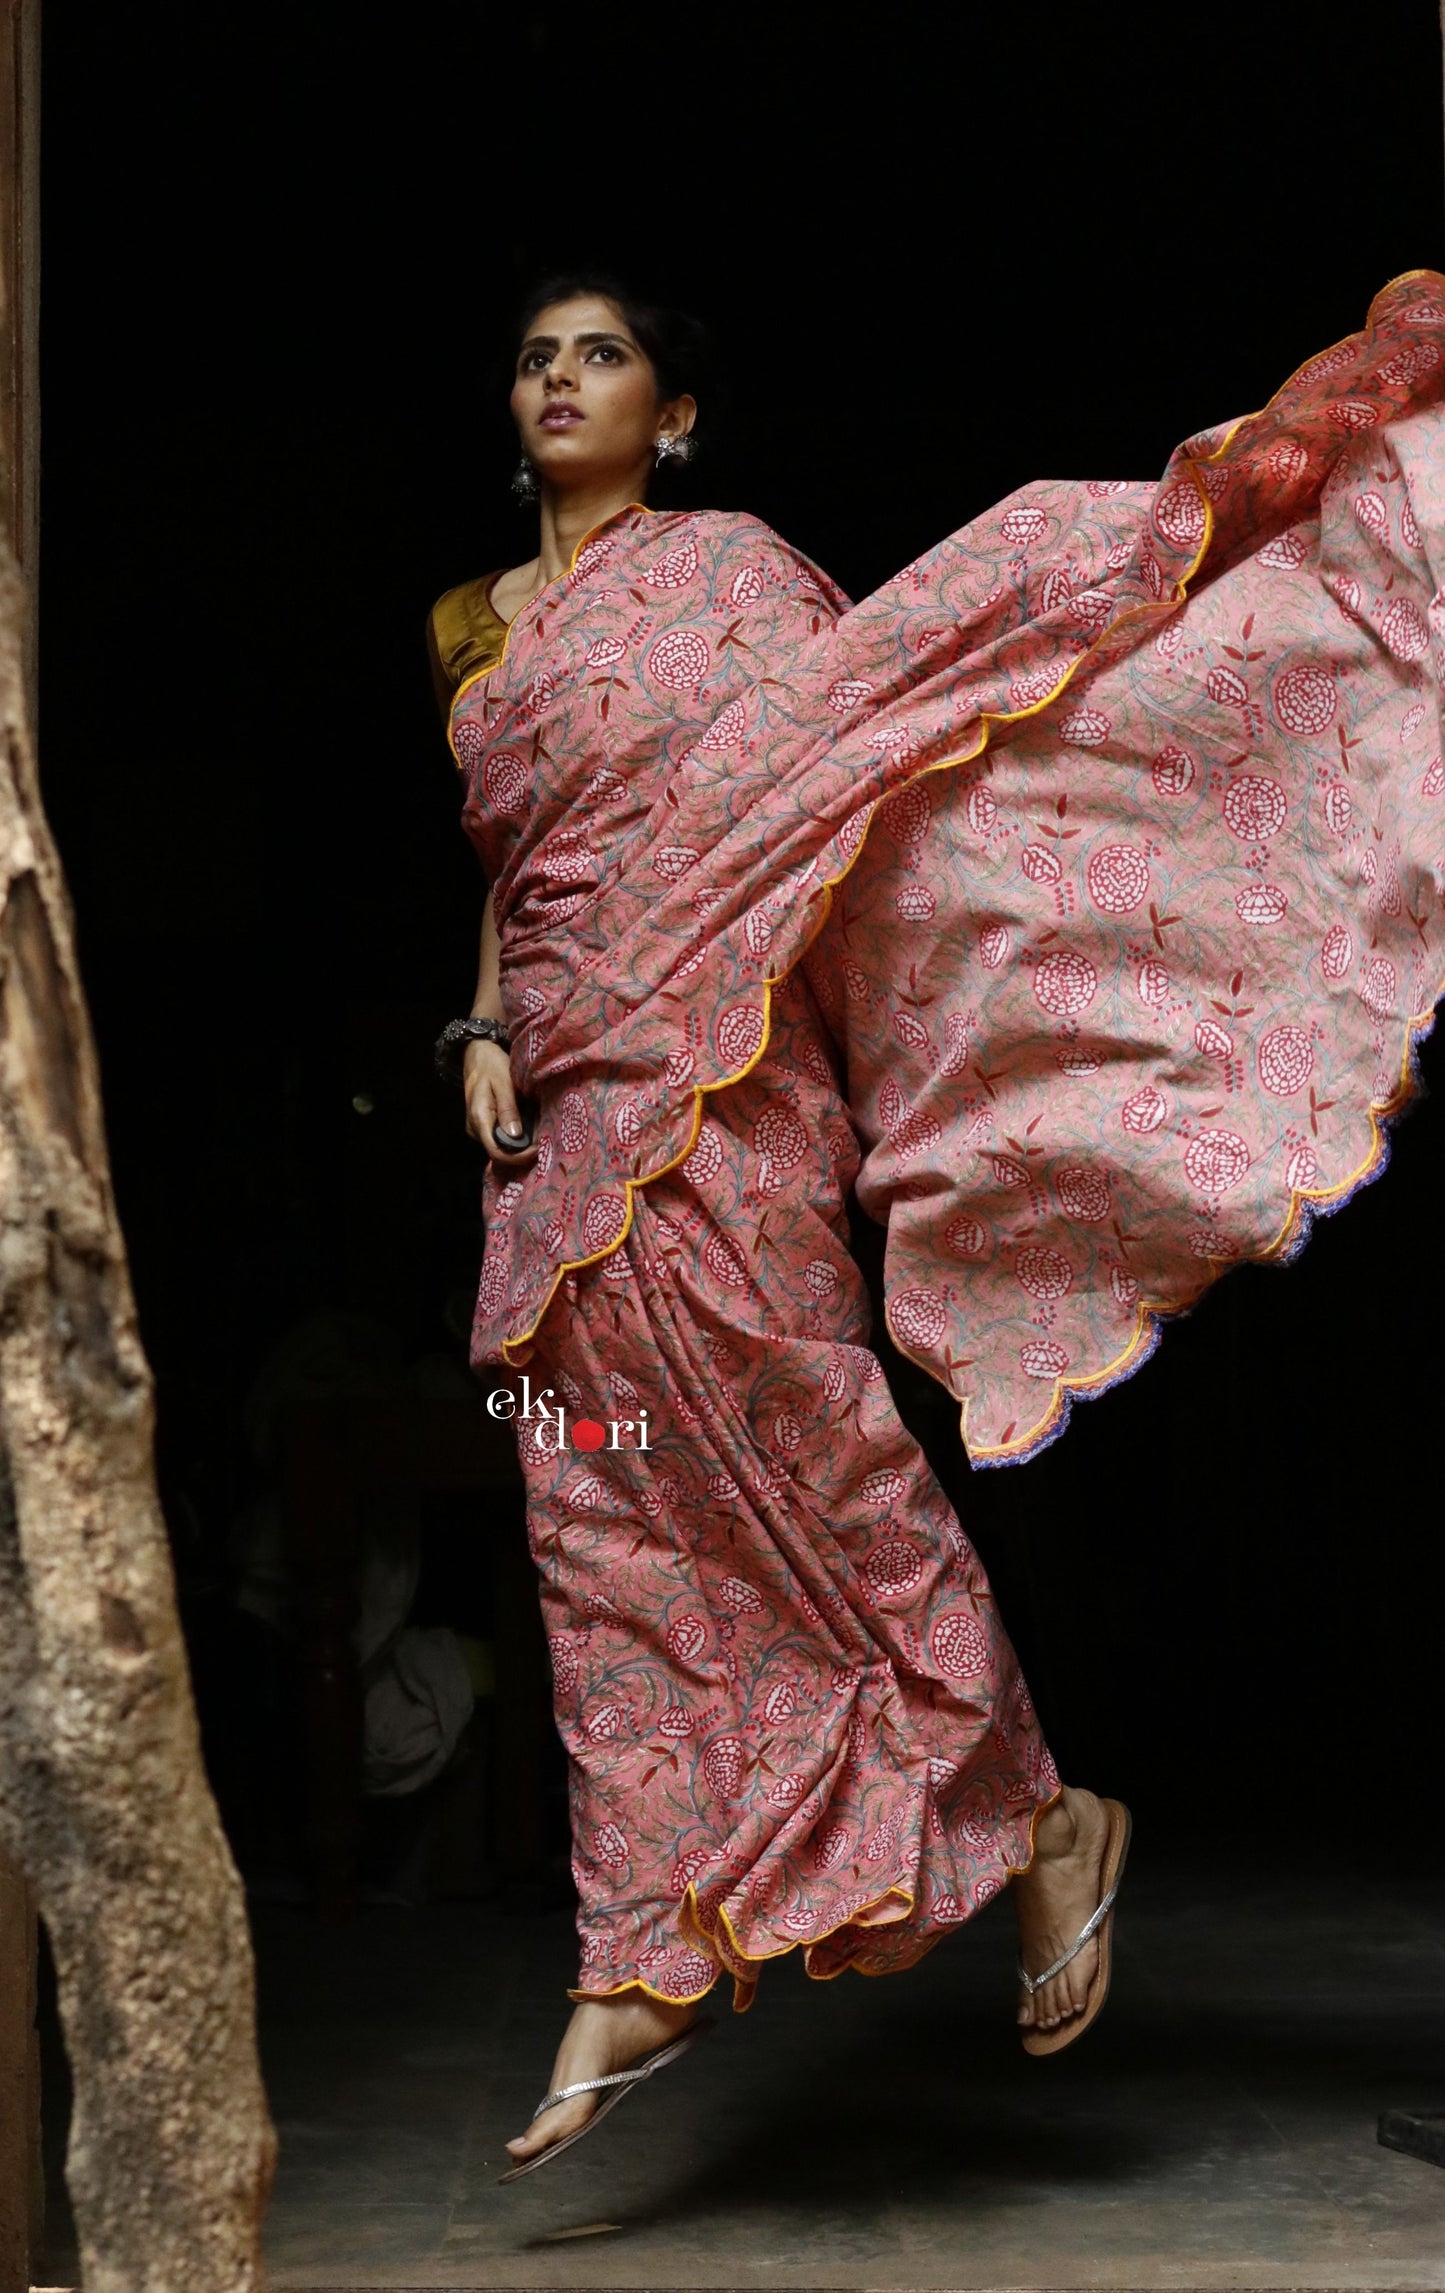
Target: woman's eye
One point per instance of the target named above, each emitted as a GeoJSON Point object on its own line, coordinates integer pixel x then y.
{"type": "Point", "coordinates": [607, 350]}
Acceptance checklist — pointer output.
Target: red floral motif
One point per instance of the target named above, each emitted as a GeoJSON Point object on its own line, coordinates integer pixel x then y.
{"type": "Point", "coordinates": [915, 903]}
{"type": "Point", "coordinates": [780, 1136]}
{"type": "Point", "coordinates": [1214, 1041]}
{"type": "Point", "coordinates": [1225, 686]}
{"type": "Point", "coordinates": [1118, 877]}
{"type": "Point", "coordinates": [1084, 728]}
{"type": "Point", "coordinates": [1287, 461]}
{"type": "Point", "coordinates": [1065, 982]}
{"type": "Point", "coordinates": [1284, 555]}
{"type": "Point", "coordinates": [1023, 526]}
{"type": "Point", "coordinates": [894, 1567]}
{"type": "Point", "coordinates": [1173, 770]}
{"type": "Point", "coordinates": [831, 1847]}
{"type": "Point", "coordinates": [1410, 364]}
{"type": "Point", "coordinates": [846, 693]}
{"type": "Point", "coordinates": [687, 1975]}
{"type": "Point", "coordinates": [1043, 1272]}
{"type": "Point", "coordinates": [1286, 1060]}
{"type": "Point", "coordinates": [726, 730]}
{"type": "Point", "coordinates": [706, 1158]}
{"type": "Point", "coordinates": [993, 946]}
{"type": "Point", "coordinates": [603, 1220]}
{"type": "Point", "coordinates": [679, 660]}
{"type": "Point", "coordinates": [1215, 1160]}
{"type": "Point", "coordinates": [739, 1596]}
{"type": "Point", "coordinates": [1304, 700]}
{"type": "Point", "coordinates": [965, 1236]}
{"type": "Point", "coordinates": [686, 1638]}
{"type": "Point", "coordinates": [1339, 808]}
{"type": "Point", "coordinates": [1254, 808]}
{"type": "Point", "coordinates": [504, 782]}
{"type": "Point", "coordinates": [1404, 630]}
{"type": "Point", "coordinates": [919, 1317]}
{"type": "Point", "coordinates": [572, 1123]}
{"type": "Point", "coordinates": [982, 810]}
{"type": "Point", "coordinates": [740, 1032]}
{"type": "Point", "coordinates": [788, 1790]}
{"type": "Point", "coordinates": [1042, 1358]}
{"type": "Point", "coordinates": [883, 1488]}
{"type": "Point", "coordinates": [960, 1645]}
{"type": "Point", "coordinates": [1179, 514]}
{"type": "Point", "coordinates": [1083, 1193]}
{"type": "Point", "coordinates": [1261, 906]}
{"type": "Point", "coordinates": [724, 1763]}
{"type": "Point", "coordinates": [1379, 985]}
{"type": "Point", "coordinates": [1143, 1111]}
{"type": "Point", "coordinates": [674, 569]}
{"type": "Point", "coordinates": [1040, 864]}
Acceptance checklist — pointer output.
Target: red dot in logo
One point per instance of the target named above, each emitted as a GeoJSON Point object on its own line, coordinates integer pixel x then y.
{"type": "Point", "coordinates": [588, 1434]}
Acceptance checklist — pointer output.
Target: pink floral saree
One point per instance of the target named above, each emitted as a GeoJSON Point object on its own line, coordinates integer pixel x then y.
{"type": "Point", "coordinates": [1084, 882]}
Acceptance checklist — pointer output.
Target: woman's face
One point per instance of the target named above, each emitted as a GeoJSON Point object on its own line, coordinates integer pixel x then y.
{"type": "Point", "coordinates": [585, 399]}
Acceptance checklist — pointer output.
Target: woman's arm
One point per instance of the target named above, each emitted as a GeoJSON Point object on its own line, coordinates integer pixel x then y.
{"type": "Point", "coordinates": [486, 1069]}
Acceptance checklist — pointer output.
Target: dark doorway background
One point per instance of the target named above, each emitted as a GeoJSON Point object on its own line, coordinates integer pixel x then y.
{"type": "Point", "coordinates": [944, 251]}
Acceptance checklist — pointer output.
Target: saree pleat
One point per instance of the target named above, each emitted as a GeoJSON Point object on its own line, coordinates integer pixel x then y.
{"type": "Point", "coordinates": [793, 1716]}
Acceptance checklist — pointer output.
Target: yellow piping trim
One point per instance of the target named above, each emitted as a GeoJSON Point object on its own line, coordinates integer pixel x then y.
{"type": "Point", "coordinates": [687, 1909]}
{"type": "Point", "coordinates": [1146, 1314]}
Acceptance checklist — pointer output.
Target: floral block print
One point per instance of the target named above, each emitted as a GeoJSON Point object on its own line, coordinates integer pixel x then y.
{"type": "Point", "coordinates": [793, 1716]}
{"type": "Point", "coordinates": [1111, 830]}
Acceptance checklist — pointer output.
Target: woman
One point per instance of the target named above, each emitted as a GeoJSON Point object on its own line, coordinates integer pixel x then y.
{"type": "Point", "coordinates": [1122, 974]}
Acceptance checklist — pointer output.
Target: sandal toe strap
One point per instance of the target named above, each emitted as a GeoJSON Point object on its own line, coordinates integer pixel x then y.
{"type": "Point", "coordinates": [592, 2086]}
{"type": "Point", "coordinates": [1086, 1934]}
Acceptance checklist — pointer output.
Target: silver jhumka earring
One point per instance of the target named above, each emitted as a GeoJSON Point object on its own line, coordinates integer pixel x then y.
{"type": "Point", "coordinates": [524, 482]}
{"type": "Point", "coordinates": [675, 449]}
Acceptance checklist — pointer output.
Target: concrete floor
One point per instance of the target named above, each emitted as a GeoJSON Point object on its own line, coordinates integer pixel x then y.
{"type": "Point", "coordinates": [1216, 2130]}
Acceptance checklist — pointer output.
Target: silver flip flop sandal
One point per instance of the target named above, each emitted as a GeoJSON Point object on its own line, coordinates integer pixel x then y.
{"type": "Point", "coordinates": [1116, 1849]}
{"type": "Point", "coordinates": [617, 2087]}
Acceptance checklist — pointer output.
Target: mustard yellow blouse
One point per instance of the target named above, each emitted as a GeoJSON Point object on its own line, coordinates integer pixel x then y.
{"type": "Point", "coordinates": [465, 636]}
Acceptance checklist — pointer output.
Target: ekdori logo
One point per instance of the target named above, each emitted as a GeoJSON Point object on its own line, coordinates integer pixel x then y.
{"type": "Point", "coordinates": [587, 1432]}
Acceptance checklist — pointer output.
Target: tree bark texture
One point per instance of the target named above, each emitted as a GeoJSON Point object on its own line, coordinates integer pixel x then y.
{"type": "Point", "coordinates": [103, 1798]}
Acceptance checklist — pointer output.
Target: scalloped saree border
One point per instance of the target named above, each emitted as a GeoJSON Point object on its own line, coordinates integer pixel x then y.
{"type": "Point", "coordinates": [745, 1986]}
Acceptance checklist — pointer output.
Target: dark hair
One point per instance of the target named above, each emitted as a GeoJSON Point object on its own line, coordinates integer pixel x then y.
{"type": "Point", "coordinates": [676, 343]}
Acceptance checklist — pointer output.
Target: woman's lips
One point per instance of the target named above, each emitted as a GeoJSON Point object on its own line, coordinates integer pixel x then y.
{"type": "Point", "coordinates": [560, 418]}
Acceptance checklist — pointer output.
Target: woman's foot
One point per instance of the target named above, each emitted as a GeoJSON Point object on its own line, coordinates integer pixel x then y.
{"type": "Point", "coordinates": [1055, 1900]}
{"type": "Point", "coordinates": [605, 2034]}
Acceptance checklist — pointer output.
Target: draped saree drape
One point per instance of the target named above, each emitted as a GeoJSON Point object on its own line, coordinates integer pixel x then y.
{"type": "Point", "coordinates": [1079, 892]}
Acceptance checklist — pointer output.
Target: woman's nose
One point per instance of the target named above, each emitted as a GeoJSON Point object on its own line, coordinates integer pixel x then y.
{"type": "Point", "coordinates": [558, 378]}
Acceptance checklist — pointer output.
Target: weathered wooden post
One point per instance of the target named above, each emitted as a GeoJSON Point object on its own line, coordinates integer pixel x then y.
{"type": "Point", "coordinates": [103, 1798]}
{"type": "Point", "coordinates": [22, 2188]}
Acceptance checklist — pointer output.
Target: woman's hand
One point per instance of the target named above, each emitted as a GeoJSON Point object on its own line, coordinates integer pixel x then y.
{"type": "Point", "coordinates": [493, 1116]}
